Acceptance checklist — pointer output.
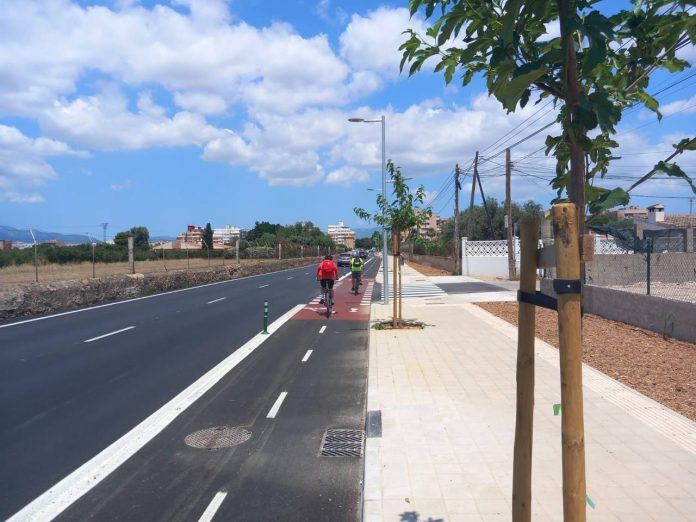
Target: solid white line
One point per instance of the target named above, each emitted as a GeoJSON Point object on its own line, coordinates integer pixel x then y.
{"type": "Point", "coordinates": [263, 286]}
{"type": "Point", "coordinates": [145, 297]}
{"type": "Point", "coordinates": [110, 333]}
{"type": "Point", "coordinates": [306, 356]}
{"type": "Point", "coordinates": [276, 405]}
{"type": "Point", "coordinates": [216, 300]}
{"type": "Point", "coordinates": [56, 499]}
{"type": "Point", "coordinates": [321, 330]}
{"type": "Point", "coordinates": [212, 508]}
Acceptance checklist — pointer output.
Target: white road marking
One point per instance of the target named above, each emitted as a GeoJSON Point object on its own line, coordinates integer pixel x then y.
{"type": "Point", "coordinates": [306, 356]}
{"type": "Point", "coordinates": [353, 309]}
{"type": "Point", "coordinates": [110, 333]}
{"type": "Point", "coordinates": [216, 300]}
{"type": "Point", "coordinates": [263, 286]}
{"type": "Point", "coordinates": [290, 278]}
{"type": "Point", "coordinates": [61, 495]}
{"type": "Point", "coordinates": [212, 508]}
{"type": "Point", "coordinates": [143, 297]}
{"type": "Point", "coordinates": [276, 405]}
{"type": "Point", "coordinates": [321, 330]}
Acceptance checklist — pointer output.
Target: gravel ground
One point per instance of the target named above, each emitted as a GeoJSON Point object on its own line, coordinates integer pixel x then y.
{"type": "Point", "coordinates": [662, 369]}
{"type": "Point", "coordinates": [427, 270]}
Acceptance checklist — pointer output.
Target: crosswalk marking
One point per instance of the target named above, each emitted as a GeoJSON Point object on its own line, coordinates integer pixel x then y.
{"type": "Point", "coordinates": [420, 290]}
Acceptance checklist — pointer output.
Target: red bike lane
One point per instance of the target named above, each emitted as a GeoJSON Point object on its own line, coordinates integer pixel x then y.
{"type": "Point", "coordinates": [348, 307]}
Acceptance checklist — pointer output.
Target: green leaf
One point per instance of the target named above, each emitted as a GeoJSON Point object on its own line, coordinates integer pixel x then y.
{"type": "Point", "coordinates": [609, 199]}
{"type": "Point", "coordinates": [513, 91]}
{"type": "Point", "coordinates": [512, 11]}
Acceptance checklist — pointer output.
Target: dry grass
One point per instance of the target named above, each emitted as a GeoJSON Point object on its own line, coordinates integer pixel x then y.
{"type": "Point", "coordinates": [56, 272]}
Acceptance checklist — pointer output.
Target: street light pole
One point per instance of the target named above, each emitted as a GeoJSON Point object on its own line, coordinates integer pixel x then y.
{"type": "Point", "coordinates": [385, 299]}
{"type": "Point", "coordinates": [385, 281]}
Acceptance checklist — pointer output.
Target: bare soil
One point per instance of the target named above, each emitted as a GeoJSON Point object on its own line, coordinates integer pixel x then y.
{"type": "Point", "coordinates": [427, 270]}
{"type": "Point", "coordinates": [662, 369]}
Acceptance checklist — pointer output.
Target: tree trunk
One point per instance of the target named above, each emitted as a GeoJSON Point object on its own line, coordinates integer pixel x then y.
{"type": "Point", "coordinates": [395, 252]}
{"type": "Point", "coordinates": [571, 84]}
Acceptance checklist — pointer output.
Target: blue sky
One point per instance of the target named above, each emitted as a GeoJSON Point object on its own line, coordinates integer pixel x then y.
{"type": "Point", "coordinates": [182, 112]}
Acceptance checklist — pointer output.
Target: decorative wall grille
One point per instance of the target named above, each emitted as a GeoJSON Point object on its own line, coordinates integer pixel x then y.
{"type": "Point", "coordinates": [486, 249]}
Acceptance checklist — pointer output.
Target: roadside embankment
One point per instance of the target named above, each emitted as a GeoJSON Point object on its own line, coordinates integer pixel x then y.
{"type": "Point", "coordinates": [20, 300]}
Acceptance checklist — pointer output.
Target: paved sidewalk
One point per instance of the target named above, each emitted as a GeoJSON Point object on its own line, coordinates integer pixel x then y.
{"type": "Point", "coordinates": [447, 399]}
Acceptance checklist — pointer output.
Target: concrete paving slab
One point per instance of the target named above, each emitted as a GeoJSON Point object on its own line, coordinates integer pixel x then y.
{"type": "Point", "coordinates": [447, 398]}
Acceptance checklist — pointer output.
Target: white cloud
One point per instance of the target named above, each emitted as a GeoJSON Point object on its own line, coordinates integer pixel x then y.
{"type": "Point", "coordinates": [371, 43]}
{"type": "Point", "coordinates": [199, 55]}
{"type": "Point", "coordinates": [23, 166]}
{"type": "Point", "coordinates": [347, 176]}
{"type": "Point", "coordinates": [103, 122]}
{"type": "Point", "coordinates": [201, 102]}
{"type": "Point", "coordinates": [687, 106]}
{"type": "Point", "coordinates": [122, 186]}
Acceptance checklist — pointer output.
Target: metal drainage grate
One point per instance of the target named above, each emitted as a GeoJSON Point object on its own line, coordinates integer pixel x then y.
{"type": "Point", "coordinates": [342, 443]}
{"type": "Point", "coordinates": [217, 437]}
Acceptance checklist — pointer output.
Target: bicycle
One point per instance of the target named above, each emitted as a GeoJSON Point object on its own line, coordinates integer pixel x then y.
{"type": "Point", "coordinates": [356, 283]}
{"type": "Point", "coordinates": [326, 296]}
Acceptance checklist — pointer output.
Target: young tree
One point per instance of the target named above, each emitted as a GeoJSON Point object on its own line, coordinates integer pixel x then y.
{"type": "Point", "coordinates": [398, 217]}
{"type": "Point", "coordinates": [599, 67]}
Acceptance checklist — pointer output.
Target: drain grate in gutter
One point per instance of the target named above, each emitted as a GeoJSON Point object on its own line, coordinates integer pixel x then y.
{"type": "Point", "coordinates": [217, 437]}
{"type": "Point", "coordinates": [338, 442]}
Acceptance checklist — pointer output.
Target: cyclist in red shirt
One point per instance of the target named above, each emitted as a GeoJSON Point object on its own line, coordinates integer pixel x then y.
{"type": "Point", "coordinates": [327, 273]}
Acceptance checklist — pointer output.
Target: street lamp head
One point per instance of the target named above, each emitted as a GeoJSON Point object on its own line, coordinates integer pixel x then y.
{"type": "Point", "coordinates": [356, 120]}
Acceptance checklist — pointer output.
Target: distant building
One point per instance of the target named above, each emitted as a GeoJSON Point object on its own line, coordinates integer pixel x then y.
{"type": "Point", "coordinates": [342, 235]}
{"type": "Point", "coordinates": [432, 227]}
{"type": "Point", "coordinates": [631, 212]}
{"type": "Point", "coordinates": [54, 242]}
{"type": "Point", "coordinates": [227, 235]}
{"type": "Point", "coordinates": [5, 244]}
{"type": "Point", "coordinates": [193, 238]}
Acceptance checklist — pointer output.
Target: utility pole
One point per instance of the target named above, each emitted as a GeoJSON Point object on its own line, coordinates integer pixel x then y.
{"type": "Point", "coordinates": [104, 225]}
{"type": "Point", "coordinates": [457, 254]}
{"type": "Point", "coordinates": [36, 255]}
{"type": "Point", "coordinates": [691, 205]}
{"type": "Point", "coordinates": [471, 202]}
{"type": "Point", "coordinates": [508, 216]}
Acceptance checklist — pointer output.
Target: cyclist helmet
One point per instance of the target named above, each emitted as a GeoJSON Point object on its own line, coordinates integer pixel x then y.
{"type": "Point", "coordinates": [330, 258]}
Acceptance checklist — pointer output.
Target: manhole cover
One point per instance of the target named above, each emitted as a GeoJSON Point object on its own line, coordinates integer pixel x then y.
{"type": "Point", "coordinates": [217, 437]}
{"type": "Point", "coordinates": [339, 442]}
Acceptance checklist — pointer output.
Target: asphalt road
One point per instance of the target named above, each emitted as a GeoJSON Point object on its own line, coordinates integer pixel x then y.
{"type": "Point", "coordinates": [74, 384]}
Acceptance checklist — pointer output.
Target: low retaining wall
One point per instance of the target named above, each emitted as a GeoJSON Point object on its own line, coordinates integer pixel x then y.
{"type": "Point", "coordinates": [664, 316]}
{"type": "Point", "coordinates": [42, 298]}
{"type": "Point", "coordinates": [443, 263]}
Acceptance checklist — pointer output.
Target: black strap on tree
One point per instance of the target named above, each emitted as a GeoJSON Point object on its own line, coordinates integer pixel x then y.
{"type": "Point", "coordinates": [560, 286]}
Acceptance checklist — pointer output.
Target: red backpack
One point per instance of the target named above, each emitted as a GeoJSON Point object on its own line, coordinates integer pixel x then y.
{"type": "Point", "coordinates": [326, 269]}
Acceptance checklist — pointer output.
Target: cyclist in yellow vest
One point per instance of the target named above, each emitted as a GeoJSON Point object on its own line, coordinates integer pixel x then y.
{"type": "Point", "coordinates": [356, 266]}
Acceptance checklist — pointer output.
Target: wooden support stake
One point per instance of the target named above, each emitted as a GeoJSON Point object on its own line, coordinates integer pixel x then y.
{"type": "Point", "coordinates": [524, 421]}
{"type": "Point", "coordinates": [567, 245]}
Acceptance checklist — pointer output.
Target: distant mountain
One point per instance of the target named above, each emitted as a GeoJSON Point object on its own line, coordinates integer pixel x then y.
{"type": "Point", "coordinates": [161, 238]}
{"type": "Point", "coordinates": [23, 235]}
{"type": "Point", "coordinates": [365, 232]}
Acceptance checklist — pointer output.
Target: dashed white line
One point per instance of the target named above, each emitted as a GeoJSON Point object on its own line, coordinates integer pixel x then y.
{"type": "Point", "coordinates": [216, 300]}
{"type": "Point", "coordinates": [212, 508]}
{"type": "Point", "coordinates": [290, 278]}
{"type": "Point", "coordinates": [62, 494]}
{"type": "Point", "coordinates": [263, 286]}
{"type": "Point", "coordinates": [306, 356]}
{"type": "Point", "coordinates": [276, 405]}
{"type": "Point", "coordinates": [321, 330]}
{"type": "Point", "coordinates": [110, 333]}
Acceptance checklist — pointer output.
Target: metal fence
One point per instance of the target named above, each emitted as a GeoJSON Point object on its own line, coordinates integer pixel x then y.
{"type": "Point", "coordinates": [658, 266]}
